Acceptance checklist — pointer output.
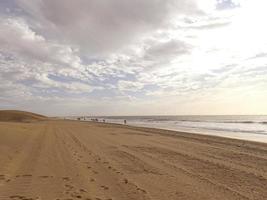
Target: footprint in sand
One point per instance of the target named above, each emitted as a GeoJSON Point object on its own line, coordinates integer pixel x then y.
{"type": "Point", "coordinates": [78, 196]}
{"type": "Point", "coordinates": [142, 190]}
{"type": "Point", "coordinates": [104, 187]}
{"type": "Point", "coordinates": [83, 190]}
{"type": "Point", "coordinates": [20, 197]}
{"type": "Point", "coordinates": [125, 181]}
{"type": "Point", "coordinates": [66, 178]}
{"type": "Point", "coordinates": [69, 186]}
{"type": "Point", "coordinates": [68, 190]}
{"type": "Point", "coordinates": [26, 175]}
{"type": "Point", "coordinates": [15, 196]}
{"type": "Point", "coordinates": [3, 178]}
{"type": "Point", "coordinates": [45, 176]}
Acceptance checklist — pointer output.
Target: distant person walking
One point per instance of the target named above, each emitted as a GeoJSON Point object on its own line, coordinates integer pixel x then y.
{"type": "Point", "coordinates": [125, 122]}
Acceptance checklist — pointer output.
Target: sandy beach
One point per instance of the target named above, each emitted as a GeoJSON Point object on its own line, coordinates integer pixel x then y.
{"type": "Point", "coordinates": [60, 160]}
{"type": "Point", "coordinates": [133, 100]}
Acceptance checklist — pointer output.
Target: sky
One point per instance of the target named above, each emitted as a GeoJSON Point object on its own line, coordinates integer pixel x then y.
{"type": "Point", "coordinates": [133, 57]}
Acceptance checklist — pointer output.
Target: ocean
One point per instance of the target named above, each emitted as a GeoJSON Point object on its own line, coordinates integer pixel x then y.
{"type": "Point", "coordinates": [248, 127]}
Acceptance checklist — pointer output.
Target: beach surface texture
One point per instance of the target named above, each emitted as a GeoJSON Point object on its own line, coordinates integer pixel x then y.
{"type": "Point", "coordinates": [68, 160]}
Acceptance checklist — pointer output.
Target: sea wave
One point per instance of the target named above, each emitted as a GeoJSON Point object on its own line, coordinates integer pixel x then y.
{"type": "Point", "coordinates": [228, 129]}
{"type": "Point", "coordinates": [226, 122]}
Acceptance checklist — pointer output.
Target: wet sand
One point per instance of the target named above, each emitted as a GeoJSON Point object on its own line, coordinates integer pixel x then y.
{"type": "Point", "coordinates": [62, 160]}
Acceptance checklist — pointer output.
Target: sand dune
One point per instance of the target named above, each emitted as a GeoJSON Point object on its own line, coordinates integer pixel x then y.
{"type": "Point", "coordinates": [82, 160]}
{"type": "Point", "coordinates": [19, 116]}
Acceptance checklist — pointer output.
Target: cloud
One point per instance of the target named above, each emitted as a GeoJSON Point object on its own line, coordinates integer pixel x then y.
{"type": "Point", "coordinates": [17, 37]}
{"type": "Point", "coordinates": [129, 86]}
{"type": "Point", "coordinates": [167, 50]}
{"type": "Point", "coordinates": [45, 82]}
{"type": "Point", "coordinates": [227, 4]}
{"type": "Point", "coordinates": [99, 27]}
{"type": "Point", "coordinates": [136, 55]}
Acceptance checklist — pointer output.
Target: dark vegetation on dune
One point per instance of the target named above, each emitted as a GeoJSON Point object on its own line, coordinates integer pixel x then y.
{"type": "Point", "coordinates": [19, 116]}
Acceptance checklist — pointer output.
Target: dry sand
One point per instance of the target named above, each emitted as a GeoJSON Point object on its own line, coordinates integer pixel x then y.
{"type": "Point", "coordinates": [56, 160]}
{"type": "Point", "coordinates": [20, 116]}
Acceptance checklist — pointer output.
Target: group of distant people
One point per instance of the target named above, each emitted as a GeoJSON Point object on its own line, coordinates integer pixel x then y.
{"type": "Point", "coordinates": [81, 118]}
{"type": "Point", "coordinates": [97, 120]}
{"type": "Point", "coordinates": [94, 120]}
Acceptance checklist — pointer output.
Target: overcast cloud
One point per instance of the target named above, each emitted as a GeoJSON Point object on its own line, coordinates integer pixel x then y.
{"type": "Point", "coordinates": [133, 57]}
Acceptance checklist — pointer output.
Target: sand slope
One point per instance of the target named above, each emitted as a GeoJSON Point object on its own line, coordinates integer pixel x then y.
{"type": "Point", "coordinates": [81, 160]}
{"type": "Point", "coordinates": [19, 116]}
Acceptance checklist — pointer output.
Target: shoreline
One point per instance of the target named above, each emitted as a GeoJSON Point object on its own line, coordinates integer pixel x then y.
{"type": "Point", "coordinates": [183, 134]}
{"type": "Point", "coordinates": [251, 137]}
